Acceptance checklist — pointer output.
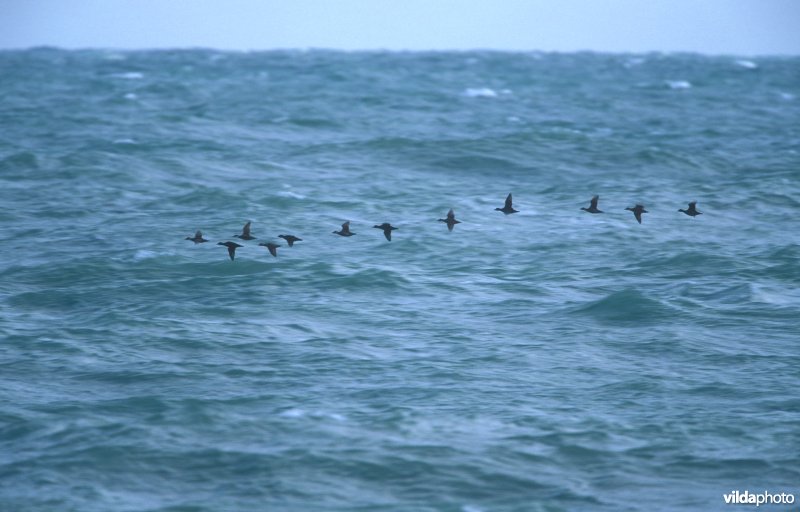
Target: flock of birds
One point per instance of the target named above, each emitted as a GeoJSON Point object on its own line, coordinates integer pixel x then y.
{"type": "Point", "coordinates": [387, 228]}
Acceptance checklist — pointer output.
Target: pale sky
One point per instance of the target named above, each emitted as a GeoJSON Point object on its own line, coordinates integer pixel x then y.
{"type": "Point", "coordinates": [738, 27]}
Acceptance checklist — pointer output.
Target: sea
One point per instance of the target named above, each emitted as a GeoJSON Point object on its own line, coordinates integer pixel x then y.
{"type": "Point", "coordinates": [547, 360]}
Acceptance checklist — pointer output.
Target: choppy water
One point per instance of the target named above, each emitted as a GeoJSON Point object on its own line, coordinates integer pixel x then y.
{"type": "Point", "coordinates": [548, 360]}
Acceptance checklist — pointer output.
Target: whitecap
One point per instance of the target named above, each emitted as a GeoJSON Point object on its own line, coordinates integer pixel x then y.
{"type": "Point", "coordinates": [748, 64]}
{"type": "Point", "coordinates": [293, 413]}
{"type": "Point", "coordinates": [787, 96]}
{"type": "Point", "coordinates": [130, 75]}
{"type": "Point", "coordinates": [289, 193]}
{"type": "Point", "coordinates": [679, 84]}
{"type": "Point", "coordinates": [124, 141]}
{"type": "Point", "coordinates": [481, 92]}
{"type": "Point", "coordinates": [144, 254]}
{"type": "Point", "coordinates": [131, 96]}
{"type": "Point", "coordinates": [513, 119]}
{"type": "Point", "coordinates": [633, 62]}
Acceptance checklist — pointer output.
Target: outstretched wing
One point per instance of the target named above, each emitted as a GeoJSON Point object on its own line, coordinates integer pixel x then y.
{"type": "Point", "coordinates": [508, 201]}
{"type": "Point", "coordinates": [451, 215]}
{"type": "Point", "coordinates": [594, 202]}
{"type": "Point", "coordinates": [246, 229]}
{"type": "Point", "coordinates": [231, 251]}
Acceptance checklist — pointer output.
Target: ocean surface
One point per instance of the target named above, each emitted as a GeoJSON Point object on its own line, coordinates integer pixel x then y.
{"type": "Point", "coordinates": [543, 361]}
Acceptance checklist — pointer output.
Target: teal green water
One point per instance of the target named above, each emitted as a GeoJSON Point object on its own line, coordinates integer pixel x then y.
{"type": "Point", "coordinates": [547, 360]}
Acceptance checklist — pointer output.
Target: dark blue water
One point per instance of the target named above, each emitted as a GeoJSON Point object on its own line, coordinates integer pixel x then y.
{"type": "Point", "coordinates": [546, 360]}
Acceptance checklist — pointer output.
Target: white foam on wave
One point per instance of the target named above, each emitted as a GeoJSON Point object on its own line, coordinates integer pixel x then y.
{"type": "Point", "coordinates": [131, 96]}
{"type": "Point", "coordinates": [679, 84]}
{"type": "Point", "coordinates": [480, 92]}
{"type": "Point", "coordinates": [633, 62]}
{"type": "Point", "coordinates": [130, 75]}
{"type": "Point", "coordinates": [144, 254]}
{"type": "Point", "coordinates": [787, 96]}
{"type": "Point", "coordinates": [289, 193]}
{"type": "Point", "coordinates": [124, 141]}
{"type": "Point", "coordinates": [301, 413]}
{"type": "Point", "coordinates": [747, 64]}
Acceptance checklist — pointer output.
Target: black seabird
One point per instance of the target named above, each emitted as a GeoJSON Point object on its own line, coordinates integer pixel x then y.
{"type": "Point", "coordinates": [245, 233]}
{"type": "Point", "coordinates": [593, 206]}
{"type": "Point", "coordinates": [692, 211]}
{"type": "Point", "coordinates": [450, 220]}
{"type": "Point", "coordinates": [198, 238]}
{"type": "Point", "coordinates": [231, 248]}
{"type": "Point", "coordinates": [290, 239]}
{"type": "Point", "coordinates": [387, 230]}
{"type": "Point", "coordinates": [507, 209]}
{"type": "Point", "coordinates": [638, 210]}
{"type": "Point", "coordinates": [273, 248]}
{"type": "Point", "coordinates": [345, 230]}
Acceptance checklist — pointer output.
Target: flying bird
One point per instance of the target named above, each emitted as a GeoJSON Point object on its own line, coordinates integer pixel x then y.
{"type": "Point", "coordinates": [273, 248]}
{"type": "Point", "coordinates": [198, 238]}
{"type": "Point", "coordinates": [692, 211]}
{"type": "Point", "coordinates": [245, 233]}
{"type": "Point", "coordinates": [593, 206]}
{"type": "Point", "coordinates": [345, 231]}
{"type": "Point", "coordinates": [387, 230]}
{"type": "Point", "coordinates": [507, 208]}
{"type": "Point", "coordinates": [450, 220]}
{"type": "Point", "coordinates": [638, 210]}
{"type": "Point", "coordinates": [231, 248]}
{"type": "Point", "coordinates": [290, 239]}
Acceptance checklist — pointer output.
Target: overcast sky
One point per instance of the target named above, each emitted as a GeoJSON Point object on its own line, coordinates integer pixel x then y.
{"type": "Point", "coordinates": [741, 27]}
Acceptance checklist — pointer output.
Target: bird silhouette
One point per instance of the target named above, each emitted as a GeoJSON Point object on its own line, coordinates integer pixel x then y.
{"type": "Point", "coordinates": [273, 248]}
{"type": "Point", "coordinates": [231, 248]}
{"type": "Point", "coordinates": [290, 239]}
{"type": "Point", "coordinates": [637, 210]}
{"type": "Point", "coordinates": [387, 230]}
{"type": "Point", "coordinates": [345, 231]}
{"type": "Point", "coordinates": [692, 210]}
{"type": "Point", "coordinates": [507, 208]}
{"type": "Point", "coordinates": [198, 238]}
{"type": "Point", "coordinates": [450, 220]}
{"type": "Point", "coordinates": [593, 206]}
{"type": "Point", "coordinates": [245, 233]}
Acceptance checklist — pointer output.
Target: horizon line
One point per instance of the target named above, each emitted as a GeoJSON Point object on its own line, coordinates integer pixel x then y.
{"type": "Point", "coordinates": [389, 50]}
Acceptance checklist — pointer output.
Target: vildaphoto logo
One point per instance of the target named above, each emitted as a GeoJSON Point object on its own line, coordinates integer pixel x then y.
{"type": "Point", "coordinates": [763, 498]}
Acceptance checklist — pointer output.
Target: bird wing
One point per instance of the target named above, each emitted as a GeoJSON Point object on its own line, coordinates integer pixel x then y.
{"type": "Point", "coordinates": [594, 202]}
{"type": "Point", "coordinates": [273, 249]}
{"type": "Point", "coordinates": [508, 201]}
{"type": "Point", "coordinates": [388, 234]}
{"type": "Point", "coordinates": [346, 227]}
{"type": "Point", "coordinates": [451, 215]}
{"type": "Point", "coordinates": [246, 229]}
{"type": "Point", "coordinates": [198, 235]}
{"type": "Point", "coordinates": [231, 250]}
{"type": "Point", "coordinates": [638, 215]}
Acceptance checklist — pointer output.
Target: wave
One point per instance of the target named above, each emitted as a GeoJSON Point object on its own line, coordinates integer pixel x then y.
{"type": "Point", "coordinates": [679, 84]}
{"type": "Point", "coordinates": [627, 307]}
